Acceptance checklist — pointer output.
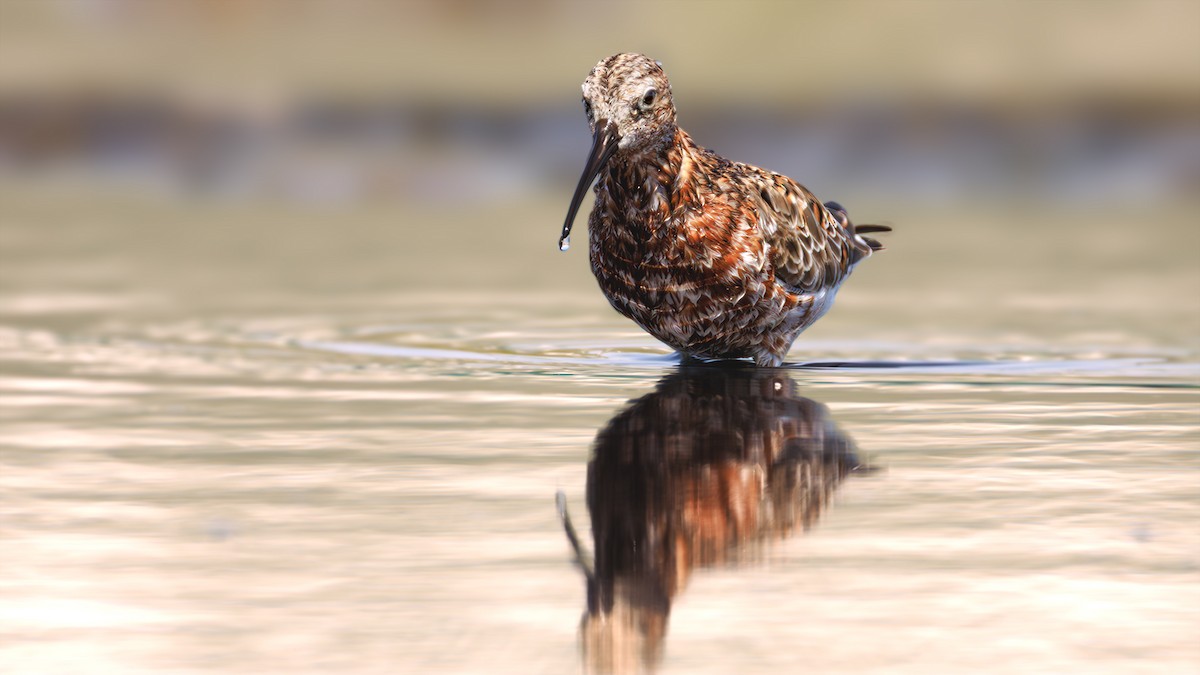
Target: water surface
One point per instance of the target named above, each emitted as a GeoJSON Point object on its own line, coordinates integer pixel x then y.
{"type": "Point", "coordinates": [264, 439]}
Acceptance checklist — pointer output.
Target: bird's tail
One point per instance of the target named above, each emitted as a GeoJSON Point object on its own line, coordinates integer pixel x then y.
{"type": "Point", "coordinates": [839, 212]}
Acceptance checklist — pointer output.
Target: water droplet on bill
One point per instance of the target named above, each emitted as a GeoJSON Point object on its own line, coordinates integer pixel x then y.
{"type": "Point", "coordinates": [564, 243]}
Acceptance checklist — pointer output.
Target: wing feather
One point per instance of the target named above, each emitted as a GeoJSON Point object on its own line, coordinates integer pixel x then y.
{"type": "Point", "coordinates": [811, 247]}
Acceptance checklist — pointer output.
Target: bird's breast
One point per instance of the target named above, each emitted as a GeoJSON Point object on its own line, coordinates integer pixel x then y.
{"type": "Point", "coordinates": [678, 274]}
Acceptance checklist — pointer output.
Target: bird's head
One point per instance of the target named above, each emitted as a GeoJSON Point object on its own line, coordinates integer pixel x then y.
{"type": "Point", "coordinates": [628, 103]}
{"type": "Point", "coordinates": [628, 97]}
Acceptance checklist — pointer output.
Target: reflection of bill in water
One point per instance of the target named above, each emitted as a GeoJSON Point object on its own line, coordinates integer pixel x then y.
{"type": "Point", "coordinates": [713, 461]}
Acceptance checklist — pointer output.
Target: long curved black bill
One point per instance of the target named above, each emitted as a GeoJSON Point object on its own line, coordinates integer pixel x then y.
{"type": "Point", "coordinates": [604, 144]}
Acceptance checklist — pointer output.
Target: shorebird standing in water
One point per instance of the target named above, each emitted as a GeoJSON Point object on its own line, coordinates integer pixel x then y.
{"type": "Point", "coordinates": [719, 260]}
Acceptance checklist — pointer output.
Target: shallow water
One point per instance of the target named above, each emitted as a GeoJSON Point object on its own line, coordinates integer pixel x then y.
{"type": "Point", "coordinates": [241, 439]}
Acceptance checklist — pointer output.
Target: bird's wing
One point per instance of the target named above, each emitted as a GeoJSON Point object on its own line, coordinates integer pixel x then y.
{"type": "Point", "coordinates": [811, 248]}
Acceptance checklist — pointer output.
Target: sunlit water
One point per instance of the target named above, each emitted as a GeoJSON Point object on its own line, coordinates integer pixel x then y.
{"type": "Point", "coordinates": [280, 442]}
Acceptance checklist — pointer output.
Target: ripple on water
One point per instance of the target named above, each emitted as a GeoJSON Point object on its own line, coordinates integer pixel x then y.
{"type": "Point", "coordinates": [284, 475]}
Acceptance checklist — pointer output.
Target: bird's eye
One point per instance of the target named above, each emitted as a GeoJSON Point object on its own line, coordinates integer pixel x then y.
{"type": "Point", "coordinates": [649, 97]}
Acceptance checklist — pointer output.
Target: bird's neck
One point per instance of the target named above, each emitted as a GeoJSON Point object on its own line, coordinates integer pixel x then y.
{"type": "Point", "coordinates": [649, 185]}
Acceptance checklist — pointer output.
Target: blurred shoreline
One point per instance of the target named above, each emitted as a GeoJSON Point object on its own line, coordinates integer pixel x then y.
{"type": "Point", "coordinates": [1070, 103]}
{"type": "Point", "coordinates": [330, 150]}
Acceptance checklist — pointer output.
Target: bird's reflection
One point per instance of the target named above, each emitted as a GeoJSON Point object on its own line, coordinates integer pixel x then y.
{"type": "Point", "coordinates": [696, 473]}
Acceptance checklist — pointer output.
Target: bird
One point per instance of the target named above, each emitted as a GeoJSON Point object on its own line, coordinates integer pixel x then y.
{"type": "Point", "coordinates": [717, 259]}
